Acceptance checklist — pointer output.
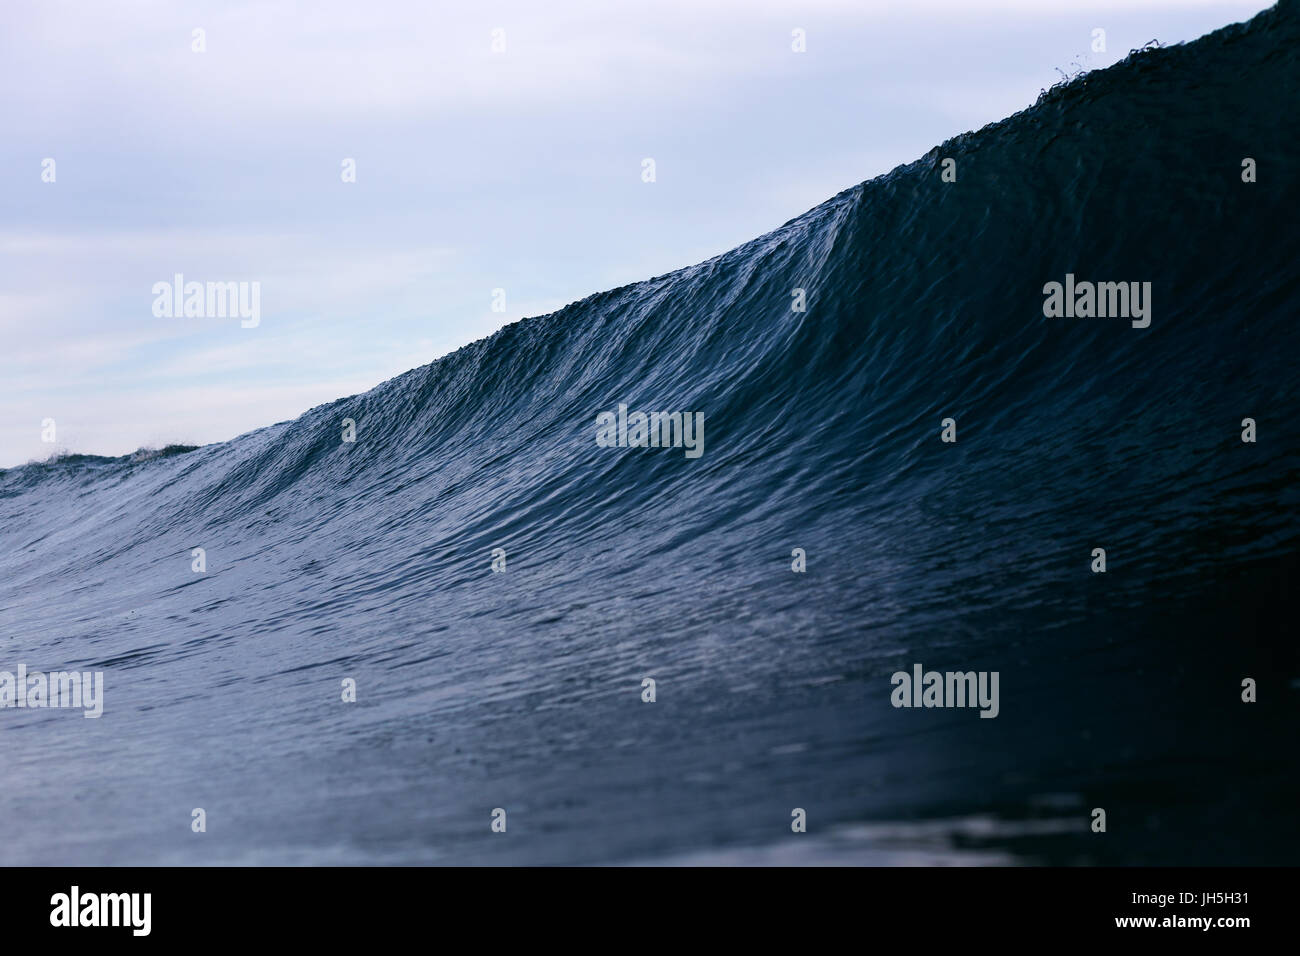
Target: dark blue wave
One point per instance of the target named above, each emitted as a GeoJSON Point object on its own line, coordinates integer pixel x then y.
{"type": "Point", "coordinates": [477, 690]}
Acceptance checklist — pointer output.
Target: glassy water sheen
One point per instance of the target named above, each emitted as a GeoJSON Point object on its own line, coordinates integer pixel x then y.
{"type": "Point", "coordinates": [522, 690]}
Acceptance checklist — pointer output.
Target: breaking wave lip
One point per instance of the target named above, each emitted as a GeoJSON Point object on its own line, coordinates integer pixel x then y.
{"type": "Point", "coordinates": [67, 460]}
{"type": "Point", "coordinates": [370, 559]}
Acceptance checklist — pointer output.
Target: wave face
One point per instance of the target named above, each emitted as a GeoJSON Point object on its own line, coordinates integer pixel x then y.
{"type": "Point", "coordinates": [522, 690]}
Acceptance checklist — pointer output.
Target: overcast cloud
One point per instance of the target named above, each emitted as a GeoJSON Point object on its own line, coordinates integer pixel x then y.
{"type": "Point", "coordinates": [475, 170]}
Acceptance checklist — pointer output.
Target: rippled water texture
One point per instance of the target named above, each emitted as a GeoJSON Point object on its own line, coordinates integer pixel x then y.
{"type": "Point", "coordinates": [522, 690]}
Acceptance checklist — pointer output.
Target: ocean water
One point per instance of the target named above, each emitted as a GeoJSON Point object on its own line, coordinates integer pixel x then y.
{"type": "Point", "coordinates": [522, 690]}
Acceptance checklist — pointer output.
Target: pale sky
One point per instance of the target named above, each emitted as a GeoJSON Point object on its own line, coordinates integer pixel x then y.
{"type": "Point", "coordinates": [475, 170]}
